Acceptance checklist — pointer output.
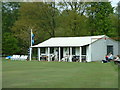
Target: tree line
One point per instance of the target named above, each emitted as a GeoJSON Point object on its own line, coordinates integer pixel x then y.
{"type": "Point", "coordinates": [51, 19]}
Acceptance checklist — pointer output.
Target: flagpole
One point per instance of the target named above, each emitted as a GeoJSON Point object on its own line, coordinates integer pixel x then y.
{"type": "Point", "coordinates": [31, 37]}
{"type": "Point", "coordinates": [30, 57]}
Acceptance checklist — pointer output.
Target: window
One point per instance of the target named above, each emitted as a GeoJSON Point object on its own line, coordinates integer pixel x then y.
{"type": "Point", "coordinates": [109, 49]}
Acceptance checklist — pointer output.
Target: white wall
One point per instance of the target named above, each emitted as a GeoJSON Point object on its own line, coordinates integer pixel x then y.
{"type": "Point", "coordinates": [115, 45]}
{"type": "Point", "coordinates": [88, 52]}
{"type": "Point", "coordinates": [98, 50]}
{"type": "Point", "coordinates": [119, 48]}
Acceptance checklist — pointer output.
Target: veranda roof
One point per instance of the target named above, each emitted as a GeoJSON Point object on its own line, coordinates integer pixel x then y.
{"type": "Point", "coordinates": [69, 41]}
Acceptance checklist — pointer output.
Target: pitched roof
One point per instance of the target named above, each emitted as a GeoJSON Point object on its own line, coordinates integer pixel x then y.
{"type": "Point", "coordinates": [69, 41]}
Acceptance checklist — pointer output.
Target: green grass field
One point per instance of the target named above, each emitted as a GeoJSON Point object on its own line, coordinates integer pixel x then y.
{"type": "Point", "coordinates": [34, 74]}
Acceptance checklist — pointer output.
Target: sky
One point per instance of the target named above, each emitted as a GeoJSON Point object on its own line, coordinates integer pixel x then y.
{"type": "Point", "coordinates": [114, 2]}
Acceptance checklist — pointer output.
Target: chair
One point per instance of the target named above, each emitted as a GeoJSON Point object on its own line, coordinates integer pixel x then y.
{"type": "Point", "coordinates": [25, 57]}
{"type": "Point", "coordinates": [13, 57]}
{"type": "Point", "coordinates": [17, 57]}
{"type": "Point", "coordinates": [21, 57]}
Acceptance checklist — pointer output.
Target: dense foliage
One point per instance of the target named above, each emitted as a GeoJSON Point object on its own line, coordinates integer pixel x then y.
{"type": "Point", "coordinates": [10, 44]}
{"type": "Point", "coordinates": [51, 19]}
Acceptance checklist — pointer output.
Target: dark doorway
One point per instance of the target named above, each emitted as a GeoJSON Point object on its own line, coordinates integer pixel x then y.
{"type": "Point", "coordinates": [61, 52]}
{"type": "Point", "coordinates": [84, 50]}
{"type": "Point", "coordinates": [84, 53]}
{"type": "Point", "coordinates": [73, 50]}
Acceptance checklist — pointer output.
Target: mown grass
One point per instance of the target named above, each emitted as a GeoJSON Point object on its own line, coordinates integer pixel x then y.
{"type": "Point", "coordinates": [34, 74]}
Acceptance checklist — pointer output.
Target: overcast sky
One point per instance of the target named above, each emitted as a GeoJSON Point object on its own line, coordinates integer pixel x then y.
{"type": "Point", "coordinates": [114, 2]}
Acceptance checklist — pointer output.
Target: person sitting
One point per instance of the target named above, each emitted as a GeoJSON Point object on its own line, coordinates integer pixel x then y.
{"type": "Point", "coordinates": [104, 61]}
{"type": "Point", "coordinates": [117, 59]}
{"type": "Point", "coordinates": [110, 57]}
{"type": "Point", "coordinates": [106, 57]}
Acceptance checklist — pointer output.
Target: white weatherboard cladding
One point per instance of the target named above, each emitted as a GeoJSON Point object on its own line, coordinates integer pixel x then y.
{"type": "Point", "coordinates": [114, 44]}
{"type": "Point", "coordinates": [119, 48]}
{"type": "Point", "coordinates": [87, 53]}
{"type": "Point", "coordinates": [98, 50]}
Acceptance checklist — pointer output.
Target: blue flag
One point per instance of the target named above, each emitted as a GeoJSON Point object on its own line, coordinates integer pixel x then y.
{"type": "Point", "coordinates": [32, 41]}
{"type": "Point", "coordinates": [32, 37]}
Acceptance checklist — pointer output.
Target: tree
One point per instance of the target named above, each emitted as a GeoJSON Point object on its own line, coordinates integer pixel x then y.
{"type": "Point", "coordinates": [73, 19]}
{"type": "Point", "coordinates": [37, 16]}
{"type": "Point", "coordinates": [10, 44]}
{"type": "Point", "coordinates": [9, 16]}
{"type": "Point", "coordinates": [73, 24]}
{"type": "Point", "coordinates": [118, 10]}
{"type": "Point", "coordinates": [99, 17]}
{"type": "Point", "coordinates": [78, 7]}
{"type": "Point", "coordinates": [115, 20]}
{"type": "Point", "coordinates": [113, 32]}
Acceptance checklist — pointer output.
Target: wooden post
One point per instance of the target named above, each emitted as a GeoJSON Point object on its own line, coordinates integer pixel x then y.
{"type": "Point", "coordinates": [59, 54]}
{"type": "Point", "coordinates": [70, 58]}
{"type": "Point", "coordinates": [30, 56]}
{"type": "Point", "coordinates": [80, 54]}
{"type": "Point", "coordinates": [90, 54]}
{"type": "Point", "coordinates": [48, 54]}
{"type": "Point", "coordinates": [38, 54]}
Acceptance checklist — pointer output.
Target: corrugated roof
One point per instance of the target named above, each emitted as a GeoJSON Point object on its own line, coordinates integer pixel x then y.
{"type": "Point", "coordinates": [69, 41]}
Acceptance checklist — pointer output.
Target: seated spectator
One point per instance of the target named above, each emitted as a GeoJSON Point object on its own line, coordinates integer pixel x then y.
{"type": "Point", "coordinates": [104, 61]}
{"type": "Point", "coordinates": [110, 57]}
{"type": "Point", "coordinates": [117, 59]}
{"type": "Point", "coordinates": [106, 57]}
